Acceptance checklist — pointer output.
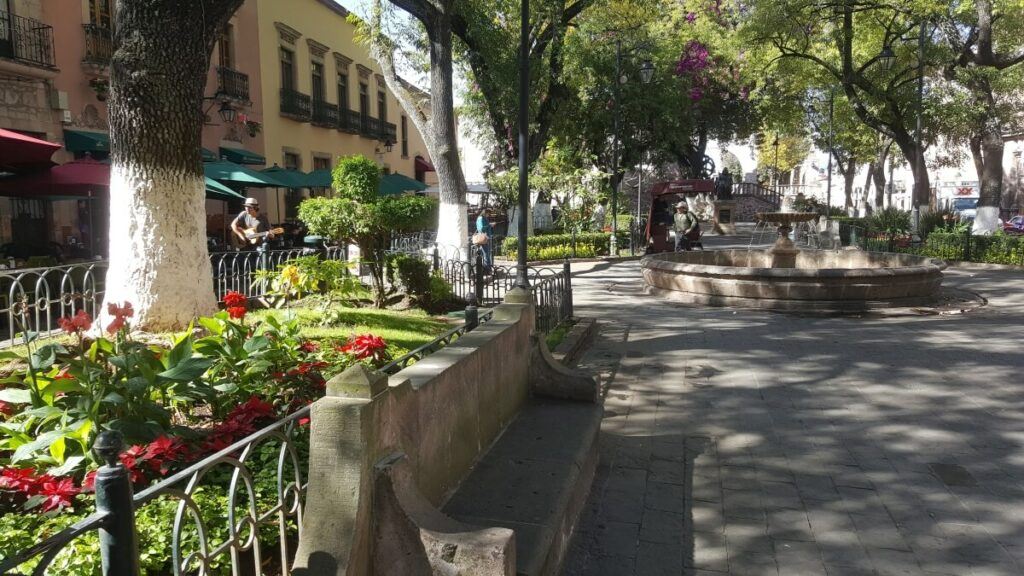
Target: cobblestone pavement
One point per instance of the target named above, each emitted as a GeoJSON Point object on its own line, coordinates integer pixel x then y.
{"type": "Point", "coordinates": [754, 443]}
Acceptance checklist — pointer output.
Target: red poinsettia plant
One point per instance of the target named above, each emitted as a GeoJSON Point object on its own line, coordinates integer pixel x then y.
{"type": "Point", "coordinates": [367, 347]}
{"type": "Point", "coordinates": [236, 304]}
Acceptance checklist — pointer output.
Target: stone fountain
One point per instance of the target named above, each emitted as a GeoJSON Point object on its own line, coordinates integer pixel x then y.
{"type": "Point", "coordinates": [785, 277]}
{"type": "Point", "coordinates": [784, 251]}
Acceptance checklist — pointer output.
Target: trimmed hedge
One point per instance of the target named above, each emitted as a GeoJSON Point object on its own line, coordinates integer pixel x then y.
{"type": "Point", "coordinates": [560, 246]}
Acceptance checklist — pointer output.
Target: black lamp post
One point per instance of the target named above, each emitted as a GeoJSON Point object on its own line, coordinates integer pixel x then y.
{"type": "Point", "coordinates": [646, 75]}
{"type": "Point", "coordinates": [775, 166]}
{"type": "Point", "coordinates": [886, 58]}
{"type": "Point", "coordinates": [522, 279]}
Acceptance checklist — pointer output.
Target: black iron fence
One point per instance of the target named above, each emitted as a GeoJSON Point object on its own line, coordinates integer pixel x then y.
{"type": "Point", "coordinates": [959, 246]}
{"type": "Point", "coordinates": [99, 44]}
{"type": "Point", "coordinates": [325, 113]}
{"type": "Point", "coordinates": [296, 105]}
{"type": "Point", "coordinates": [257, 501]}
{"type": "Point", "coordinates": [232, 83]}
{"type": "Point", "coordinates": [36, 298]}
{"type": "Point", "coordinates": [26, 40]}
{"type": "Point", "coordinates": [349, 120]}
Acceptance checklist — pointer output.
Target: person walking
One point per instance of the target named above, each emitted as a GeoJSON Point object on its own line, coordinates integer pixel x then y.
{"type": "Point", "coordinates": [686, 227]}
{"type": "Point", "coordinates": [483, 237]}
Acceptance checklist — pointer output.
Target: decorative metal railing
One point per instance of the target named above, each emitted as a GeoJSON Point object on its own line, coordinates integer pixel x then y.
{"type": "Point", "coordinates": [759, 191]}
{"type": "Point", "coordinates": [474, 318]}
{"type": "Point", "coordinates": [370, 127]}
{"type": "Point", "coordinates": [99, 44]}
{"type": "Point", "coordinates": [388, 132]}
{"type": "Point", "coordinates": [325, 113]}
{"type": "Point", "coordinates": [34, 299]}
{"type": "Point", "coordinates": [27, 40]}
{"type": "Point", "coordinates": [349, 121]}
{"type": "Point", "coordinates": [413, 241]}
{"type": "Point", "coordinates": [232, 83]}
{"type": "Point", "coordinates": [295, 104]}
{"type": "Point", "coordinates": [199, 538]}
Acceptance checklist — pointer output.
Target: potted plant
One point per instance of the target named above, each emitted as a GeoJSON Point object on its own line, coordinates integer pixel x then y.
{"type": "Point", "coordinates": [101, 86]}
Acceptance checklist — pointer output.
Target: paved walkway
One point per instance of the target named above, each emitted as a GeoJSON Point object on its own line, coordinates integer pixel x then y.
{"type": "Point", "coordinates": [751, 443]}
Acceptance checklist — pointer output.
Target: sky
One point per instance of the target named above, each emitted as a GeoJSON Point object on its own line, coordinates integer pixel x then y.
{"type": "Point", "coordinates": [472, 156]}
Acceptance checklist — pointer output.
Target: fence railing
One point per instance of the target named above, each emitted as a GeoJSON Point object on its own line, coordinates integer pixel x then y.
{"type": "Point", "coordinates": [27, 40]}
{"type": "Point", "coordinates": [99, 44]}
{"type": "Point", "coordinates": [196, 543]}
{"type": "Point", "coordinates": [232, 83]}
{"type": "Point", "coordinates": [34, 299]}
{"type": "Point", "coordinates": [296, 105]}
{"type": "Point", "coordinates": [963, 247]}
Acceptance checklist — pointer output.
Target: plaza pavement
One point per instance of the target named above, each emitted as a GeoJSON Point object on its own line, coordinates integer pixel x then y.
{"type": "Point", "coordinates": [750, 443]}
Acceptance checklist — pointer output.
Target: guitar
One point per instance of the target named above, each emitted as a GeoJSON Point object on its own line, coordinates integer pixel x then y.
{"type": "Point", "coordinates": [255, 237]}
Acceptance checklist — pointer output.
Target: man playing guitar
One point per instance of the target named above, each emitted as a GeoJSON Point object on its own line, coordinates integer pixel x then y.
{"type": "Point", "coordinates": [253, 228]}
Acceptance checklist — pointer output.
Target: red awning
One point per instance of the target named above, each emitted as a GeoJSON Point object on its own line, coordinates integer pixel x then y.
{"type": "Point", "coordinates": [424, 165]}
{"type": "Point", "coordinates": [85, 177]}
{"type": "Point", "coordinates": [21, 152]}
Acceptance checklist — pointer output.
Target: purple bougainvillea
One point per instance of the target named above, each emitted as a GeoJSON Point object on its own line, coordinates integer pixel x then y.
{"type": "Point", "coordinates": [694, 59]}
{"type": "Point", "coordinates": [691, 17]}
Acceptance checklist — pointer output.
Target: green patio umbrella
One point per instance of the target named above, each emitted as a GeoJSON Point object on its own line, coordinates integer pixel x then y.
{"type": "Point", "coordinates": [217, 191]}
{"type": "Point", "coordinates": [322, 178]}
{"type": "Point", "coordinates": [290, 178]}
{"type": "Point", "coordinates": [395, 184]}
{"type": "Point", "coordinates": [224, 171]}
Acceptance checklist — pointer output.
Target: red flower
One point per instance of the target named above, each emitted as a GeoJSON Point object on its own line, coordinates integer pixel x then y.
{"type": "Point", "coordinates": [216, 443]}
{"type": "Point", "coordinates": [365, 346]}
{"type": "Point", "coordinates": [115, 326]}
{"type": "Point", "coordinates": [89, 482]}
{"type": "Point", "coordinates": [58, 493]}
{"type": "Point", "coordinates": [309, 347]}
{"type": "Point", "coordinates": [63, 375]}
{"type": "Point", "coordinates": [237, 312]}
{"type": "Point", "coordinates": [6, 409]}
{"type": "Point", "coordinates": [253, 409]}
{"type": "Point", "coordinates": [162, 451]}
{"type": "Point", "coordinates": [123, 311]}
{"type": "Point", "coordinates": [234, 299]}
{"type": "Point", "coordinates": [19, 479]}
{"type": "Point", "coordinates": [132, 459]}
{"type": "Point", "coordinates": [80, 322]}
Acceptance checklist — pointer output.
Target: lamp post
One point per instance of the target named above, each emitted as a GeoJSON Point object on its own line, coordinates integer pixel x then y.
{"type": "Point", "coordinates": [522, 279]}
{"type": "Point", "coordinates": [646, 75]}
{"type": "Point", "coordinates": [831, 145]}
{"type": "Point", "coordinates": [775, 165]}
{"type": "Point", "coordinates": [613, 242]}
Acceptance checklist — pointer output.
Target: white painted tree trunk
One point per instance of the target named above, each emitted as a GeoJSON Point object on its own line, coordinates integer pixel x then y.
{"type": "Point", "coordinates": [158, 256]}
{"type": "Point", "coordinates": [453, 230]}
{"type": "Point", "coordinates": [986, 221]}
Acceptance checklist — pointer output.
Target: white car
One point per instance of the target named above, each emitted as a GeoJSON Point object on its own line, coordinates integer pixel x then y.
{"type": "Point", "coordinates": [965, 208]}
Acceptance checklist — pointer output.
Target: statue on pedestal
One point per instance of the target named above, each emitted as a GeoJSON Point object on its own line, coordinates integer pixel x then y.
{"type": "Point", "coordinates": [723, 186]}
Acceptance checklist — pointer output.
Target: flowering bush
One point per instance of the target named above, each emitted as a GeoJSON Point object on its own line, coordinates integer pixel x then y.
{"type": "Point", "coordinates": [367, 347]}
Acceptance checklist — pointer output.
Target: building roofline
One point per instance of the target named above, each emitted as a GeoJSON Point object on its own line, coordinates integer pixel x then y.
{"type": "Point", "coordinates": [338, 8]}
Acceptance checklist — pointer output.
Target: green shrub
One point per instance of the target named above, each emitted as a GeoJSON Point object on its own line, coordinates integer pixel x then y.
{"type": "Point", "coordinates": [891, 221]}
{"type": "Point", "coordinates": [413, 273]}
{"type": "Point", "coordinates": [560, 246]}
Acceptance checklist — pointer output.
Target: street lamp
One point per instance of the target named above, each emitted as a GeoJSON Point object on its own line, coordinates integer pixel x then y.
{"type": "Point", "coordinates": [227, 113]}
{"type": "Point", "coordinates": [775, 166]}
{"type": "Point", "coordinates": [646, 75]}
{"type": "Point", "coordinates": [522, 279]}
{"type": "Point", "coordinates": [646, 72]}
{"type": "Point", "coordinates": [886, 58]}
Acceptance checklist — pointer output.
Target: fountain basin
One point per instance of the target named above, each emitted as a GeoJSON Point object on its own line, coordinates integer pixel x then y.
{"type": "Point", "coordinates": [821, 280]}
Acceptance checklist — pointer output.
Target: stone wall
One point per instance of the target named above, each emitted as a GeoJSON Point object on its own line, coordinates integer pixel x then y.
{"type": "Point", "coordinates": [747, 206]}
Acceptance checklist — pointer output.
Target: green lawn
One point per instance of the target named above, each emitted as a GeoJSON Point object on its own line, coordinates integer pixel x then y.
{"type": "Point", "coordinates": [402, 330]}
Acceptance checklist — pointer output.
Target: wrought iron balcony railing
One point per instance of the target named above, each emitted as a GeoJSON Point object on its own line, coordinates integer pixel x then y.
{"type": "Point", "coordinates": [99, 44]}
{"type": "Point", "coordinates": [232, 83]}
{"type": "Point", "coordinates": [349, 121]}
{"type": "Point", "coordinates": [26, 40]}
{"type": "Point", "coordinates": [370, 127]}
{"type": "Point", "coordinates": [325, 114]}
{"type": "Point", "coordinates": [296, 105]}
{"type": "Point", "coordinates": [389, 132]}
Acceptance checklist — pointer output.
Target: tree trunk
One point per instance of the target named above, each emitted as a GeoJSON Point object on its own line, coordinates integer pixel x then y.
{"type": "Point", "coordinates": [849, 174]}
{"type": "Point", "coordinates": [986, 220]}
{"type": "Point", "coordinates": [922, 188]}
{"type": "Point", "coordinates": [879, 176]}
{"type": "Point", "coordinates": [868, 179]}
{"type": "Point", "coordinates": [158, 256]}
{"type": "Point", "coordinates": [452, 221]}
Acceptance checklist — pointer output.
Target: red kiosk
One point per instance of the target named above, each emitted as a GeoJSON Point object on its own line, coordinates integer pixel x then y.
{"type": "Point", "coordinates": [664, 197]}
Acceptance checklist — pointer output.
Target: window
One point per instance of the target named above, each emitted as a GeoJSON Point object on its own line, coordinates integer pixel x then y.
{"type": "Point", "coordinates": [343, 91]}
{"type": "Point", "coordinates": [382, 106]}
{"type": "Point", "coordinates": [364, 100]}
{"type": "Point", "coordinates": [99, 13]}
{"type": "Point", "coordinates": [292, 197]}
{"type": "Point", "coordinates": [291, 161]}
{"type": "Point", "coordinates": [405, 137]}
{"type": "Point", "coordinates": [321, 163]}
{"type": "Point", "coordinates": [318, 81]}
{"type": "Point", "coordinates": [287, 69]}
{"type": "Point", "coordinates": [226, 46]}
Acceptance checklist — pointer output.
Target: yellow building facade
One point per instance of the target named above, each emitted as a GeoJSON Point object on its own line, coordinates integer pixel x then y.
{"type": "Point", "coordinates": [324, 98]}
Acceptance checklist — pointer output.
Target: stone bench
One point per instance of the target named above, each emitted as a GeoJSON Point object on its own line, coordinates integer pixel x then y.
{"type": "Point", "coordinates": [406, 474]}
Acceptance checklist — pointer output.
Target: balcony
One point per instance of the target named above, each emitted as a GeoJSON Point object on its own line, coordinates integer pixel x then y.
{"type": "Point", "coordinates": [26, 41]}
{"type": "Point", "coordinates": [296, 105]}
{"type": "Point", "coordinates": [389, 132]}
{"type": "Point", "coordinates": [370, 127]}
{"type": "Point", "coordinates": [349, 121]}
{"type": "Point", "coordinates": [325, 114]}
{"type": "Point", "coordinates": [233, 84]}
{"type": "Point", "coordinates": [99, 45]}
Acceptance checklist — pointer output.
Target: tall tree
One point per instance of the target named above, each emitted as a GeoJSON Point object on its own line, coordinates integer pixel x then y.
{"type": "Point", "coordinates": [983, 56]}
{"type": "Point", "coordinates": [433, 114]}
{"type": "Point", "coordinates": [844, 40]}
{"type": "Point", "coordinates": [158, 255]}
